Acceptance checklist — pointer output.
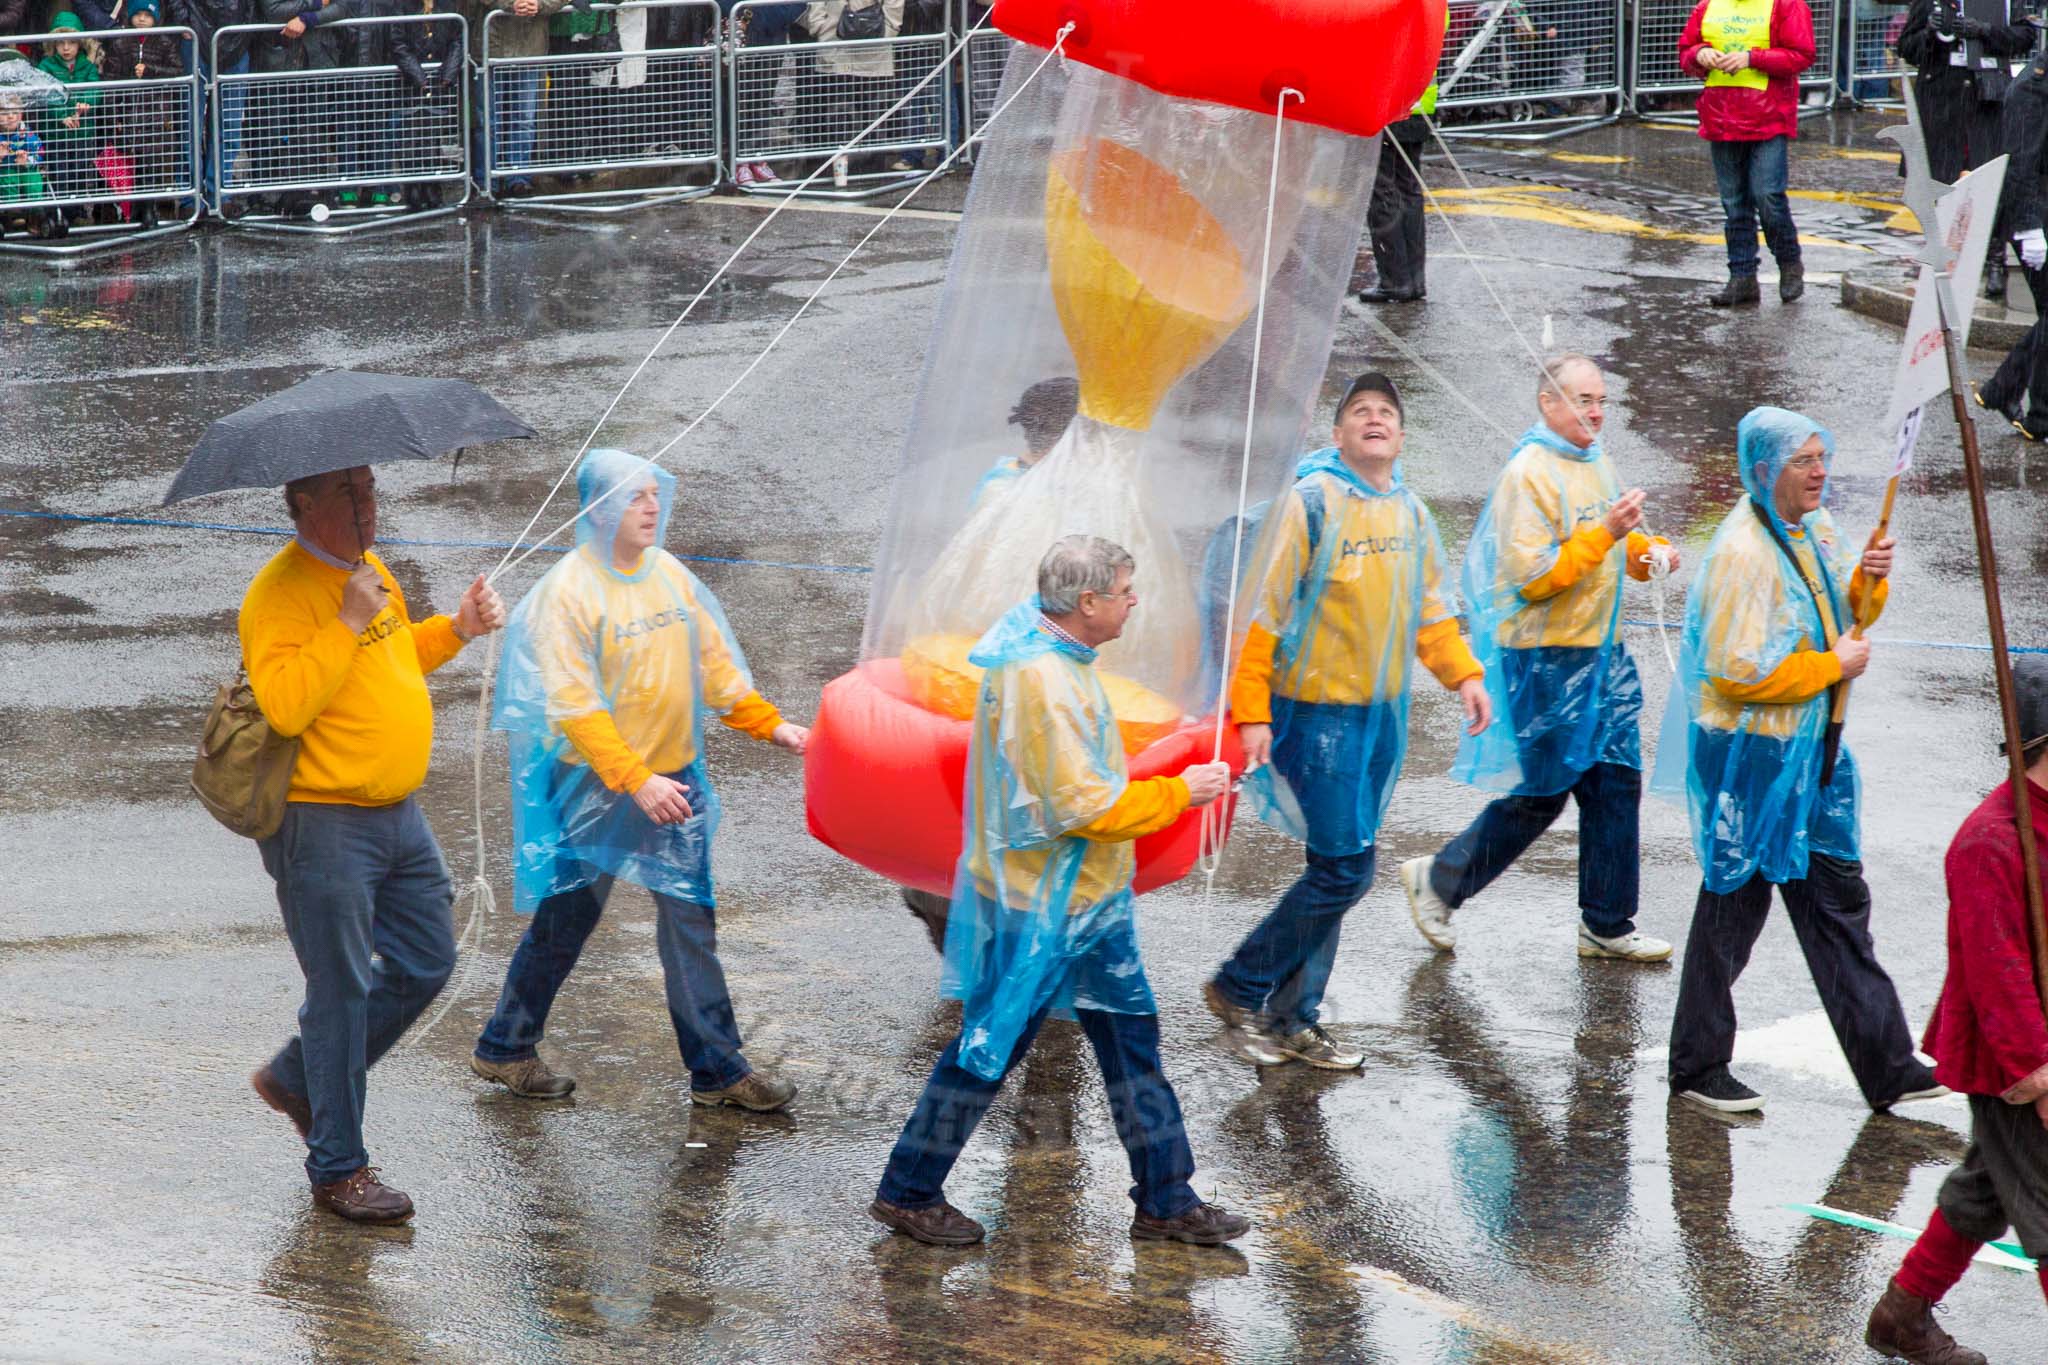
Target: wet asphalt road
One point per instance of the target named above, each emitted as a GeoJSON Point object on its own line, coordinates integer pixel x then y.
{"type": "Point", "coordinates": [1505, 1182]}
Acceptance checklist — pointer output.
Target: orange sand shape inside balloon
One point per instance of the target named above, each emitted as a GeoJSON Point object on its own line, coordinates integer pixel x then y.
{"type": "Point", "coordinates": [1146, 281]}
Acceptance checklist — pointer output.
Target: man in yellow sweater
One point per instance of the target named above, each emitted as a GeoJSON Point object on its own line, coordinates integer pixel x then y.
{"type": "Point", "coordinates": [1042, 915]}
{"type": "Point", "coordinates": [1352, 592]}
{"type": "Point", "coordinates": [334, 658]}
{"type": "Point", "coordinates": [612, 662]}
{"type": "Point", "coordinates": [1542, 582]}
{"type": "Point", "coordinates": [1768, 638]}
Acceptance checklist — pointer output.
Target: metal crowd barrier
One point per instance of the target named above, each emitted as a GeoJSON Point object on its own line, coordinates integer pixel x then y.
{"type": "Point", "coordinates": [335, 148]}
{"type": "Point", "coordinates": [987, 52]}
{"type": "Point", "coordinates": [797, 104]}
{"type": "Point", "coordinates": [1657, 74]}
{"type": "Point", "coordinates": [1508, 72]}
{"type": "Point", "coordinates": [1876, 75]}
{"type": "Point", "coordinates": [129, 167]}
{"type": "Point", "coordinates": [646, 98]}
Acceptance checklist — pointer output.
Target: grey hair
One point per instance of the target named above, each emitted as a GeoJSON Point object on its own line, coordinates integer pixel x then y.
{"type": "Point", "coordinates": [1078, 564]}
{"type": "Point", "coordinates": [1551, 379]}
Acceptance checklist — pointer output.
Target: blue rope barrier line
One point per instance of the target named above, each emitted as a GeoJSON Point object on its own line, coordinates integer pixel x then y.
{"type": "Point", "coordinates": [239, 529]}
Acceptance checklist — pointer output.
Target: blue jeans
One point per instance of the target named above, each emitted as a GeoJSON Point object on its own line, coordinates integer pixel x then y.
{"type": "Point", "coordinates": [354, 881]}
{"type": "Point", "coordinates": [515, 95]}
{"type": "Point", "coordinates": [217, 161]}
{"type": "Point", "coordinates": [1141, 1103]}
{"type": "Point", "coordinates": [1751, 179]}
{"type": "Point", "coordinates": [1608, 795]}
{"type": "Point", "coordinates": [1283, 966]}
{"type": "Point", "coordinates": [686, 935]}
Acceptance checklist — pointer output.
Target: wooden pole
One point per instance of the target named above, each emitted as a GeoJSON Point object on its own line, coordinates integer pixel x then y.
{"type": "Point", "coordinates": [2001, 660]}
{"type": "Point", "coordinates": [1863, 617]}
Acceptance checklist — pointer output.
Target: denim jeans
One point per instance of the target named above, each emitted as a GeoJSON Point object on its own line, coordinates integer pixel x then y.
{"type": "Point", "coordinates": [1141, 1103]}
{"type": "Point", "coordinates": [1608, 795]}
{"type": "Point", "coordinates": [219, 161]}
{"type": "Point", "coordinates": [354, 881]}
{"type": "Point", "coordinates": [686, 935]}
{"type": "Point", "coordinates": [1751, 179]}
{"type": "Point", "coordinates": [1830, 912]}
{"type": "Point", "coordinates": [1283, 966]}
{"type": "Point", "coordinates": [515, 96]}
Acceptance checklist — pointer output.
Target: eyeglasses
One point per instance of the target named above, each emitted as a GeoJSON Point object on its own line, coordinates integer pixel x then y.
{"type": "Point", "coordinates": [1806, 464]}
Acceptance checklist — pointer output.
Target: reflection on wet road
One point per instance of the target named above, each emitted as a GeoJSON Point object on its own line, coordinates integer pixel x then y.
{"type": "Point", "coordinates": [1504, 1182]}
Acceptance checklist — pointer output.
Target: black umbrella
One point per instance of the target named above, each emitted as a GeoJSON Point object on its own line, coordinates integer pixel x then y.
{"type": "Point", "coordinates": [339, 420]}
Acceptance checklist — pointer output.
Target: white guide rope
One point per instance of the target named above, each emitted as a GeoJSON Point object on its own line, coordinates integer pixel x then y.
{"type": "Point", "coordinates": [719, 274]}
{"type": "Point", "coordinates": [1214, 821]}
{"type": "Point", "coordinates": [483, 900]}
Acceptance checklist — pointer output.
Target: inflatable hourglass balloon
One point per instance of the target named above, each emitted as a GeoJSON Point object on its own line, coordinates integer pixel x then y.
{"type": "Point", "coordinates": [1117, 236]}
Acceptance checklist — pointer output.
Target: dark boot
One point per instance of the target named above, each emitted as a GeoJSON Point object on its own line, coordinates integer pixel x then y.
{"type": "Point", "coordinates": [1382, 293]}
{"type": "Point", "coordinates": [271, 1091]}
{"type": "Point", "coordinates": [1740, 290]}
{"type": "Point", "coordinates": [1204, 1225]}
{"type": "Point", "coordinates": [1994, 274]}
{"type": "Point", "coordinates": [1902, 1327]}
{"type": "Point", "coordinates": [1791, 281]}
{"type": "Point", "coordinates": [362, 1198]}
{"type": "Point", "coordinates": [936, 1225]}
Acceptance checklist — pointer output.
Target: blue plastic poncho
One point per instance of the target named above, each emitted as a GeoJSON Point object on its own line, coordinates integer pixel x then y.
{"type": "Point", "coordinates": [1565, 691]}
{"type": "Point", "coordinates": [652, 651]}
{"type": "Point", "coordinates": [1351, 574]}
{"type": "Point", "coordinates": [1041, 918]}
{"type": "Point", "coordinates": [1000, 480]}
{"type": "Point", "coordinates": [1750, 772]}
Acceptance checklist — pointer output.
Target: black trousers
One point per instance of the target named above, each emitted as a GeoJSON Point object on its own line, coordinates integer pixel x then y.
{"type": "Point", "coordinates": [1395, 217]}
{"type": "Point", "coordinates": [2023, 373]}
{"type": "Point", "coordinates": [1830, 910]}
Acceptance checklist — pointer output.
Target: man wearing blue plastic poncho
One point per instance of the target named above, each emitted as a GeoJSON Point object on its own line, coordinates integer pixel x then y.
{"type": "Point", "coordinates": [1766, 644]}
{"type": "Point", "coordinates": [611, 662]}
{"type": "Point", "coordinates": [1042, 916]}
{"type": "Point", "coordinates": [1352, 591]}
{"type": "Point", "coordinates": [1543, 585]}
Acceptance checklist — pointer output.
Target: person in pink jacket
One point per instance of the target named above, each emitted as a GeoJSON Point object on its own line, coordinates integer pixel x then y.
{"type": "Point", "coordinates": [1750, 53]}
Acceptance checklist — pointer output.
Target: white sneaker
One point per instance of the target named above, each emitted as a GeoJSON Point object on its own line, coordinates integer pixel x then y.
{"type": "Point", "coordinates": [1631, 946]}
{"type": "Point", "coordinates": [1431, 913]}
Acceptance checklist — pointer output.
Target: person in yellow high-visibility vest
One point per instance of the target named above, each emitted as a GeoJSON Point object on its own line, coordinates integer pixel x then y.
{"type": "Point", "coordinates": [1750, 54]}
{"type": "Point", "coordinates": [1394, 218]}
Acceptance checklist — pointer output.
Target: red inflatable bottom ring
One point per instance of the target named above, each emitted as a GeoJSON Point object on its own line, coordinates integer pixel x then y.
{"type": "Point", "coordinates": [884, 783]}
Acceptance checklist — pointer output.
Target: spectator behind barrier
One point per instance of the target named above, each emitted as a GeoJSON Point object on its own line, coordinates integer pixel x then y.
{"type": "Point", "coordinates": [145, 133]}
{"type": "Point", "coordinates": [71, 130]}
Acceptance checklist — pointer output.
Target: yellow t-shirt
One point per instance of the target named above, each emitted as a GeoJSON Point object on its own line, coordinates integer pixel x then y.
{"type": "Point", "coordinates": [1041, 728]}
{"type": "Point", "coordinates": [1357, 649]}
{"type": "Point", "coordinates": [357, 702]}
{"type": "Point", "coordinates": [1542, 502]}
{"type": "Point", "coordinates": [610, 646]}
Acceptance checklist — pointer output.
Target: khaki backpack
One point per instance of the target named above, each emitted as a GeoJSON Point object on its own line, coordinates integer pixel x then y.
{"type": "Point", "coordinates": [244, 769]}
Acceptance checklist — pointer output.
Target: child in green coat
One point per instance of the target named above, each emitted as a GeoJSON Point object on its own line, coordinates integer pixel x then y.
{"type": "Point", "coordinates": [69, 135]}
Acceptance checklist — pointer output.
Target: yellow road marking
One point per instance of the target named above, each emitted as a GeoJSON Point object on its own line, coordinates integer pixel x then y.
{"type": "Point", "coordinates": [1526, 204]}
{"type": "Point", "coordinates": [1590, 159]}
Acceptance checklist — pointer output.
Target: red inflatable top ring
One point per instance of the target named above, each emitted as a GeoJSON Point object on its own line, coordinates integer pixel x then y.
{"type": "Point", "coordinates": [1360, 64]}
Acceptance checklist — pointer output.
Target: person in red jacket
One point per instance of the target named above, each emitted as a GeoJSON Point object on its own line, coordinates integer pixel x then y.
{"type": "Point", "coordinates": [1750, 53]}
{"type": "Point", "coordinates": [1988, 1038]}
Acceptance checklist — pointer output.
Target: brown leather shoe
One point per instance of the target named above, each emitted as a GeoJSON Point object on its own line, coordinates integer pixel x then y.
{"type": "Point", "coordinates": [762, 1094]}
{"type": "Point", "coordinates": [271, 1091]}
{"type": "Point", "coordinates": [361, 1197]}
{"type": "Point", "coordinates": [529, 1076]}
{"type": "Point", "coordinates": [937, 1225]}
{"type": "Point", "coordinates": [1204, 1225]}
{"type": "Point", "coordinates": [1902, 1327]}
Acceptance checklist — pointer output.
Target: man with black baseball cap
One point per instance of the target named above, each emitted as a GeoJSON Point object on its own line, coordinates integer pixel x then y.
{"type": "Point", "coordinates": [1352, 589]}
{"type": "Point", "coordinates": [1988, 1039]}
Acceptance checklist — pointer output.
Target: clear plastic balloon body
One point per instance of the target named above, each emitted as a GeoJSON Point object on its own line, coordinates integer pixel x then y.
{"type": "Point", "coordinates": [1113, 236]}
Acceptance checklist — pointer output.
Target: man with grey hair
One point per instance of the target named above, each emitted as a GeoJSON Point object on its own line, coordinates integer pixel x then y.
{"type": "Point", "coordinates": [1042, 907]}
{"type": "Point", "coordinates": [1543, 581]}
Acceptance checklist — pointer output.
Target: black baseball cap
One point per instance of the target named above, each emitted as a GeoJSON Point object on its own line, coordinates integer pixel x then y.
{"type": "Point", "coordinates": [1373, 381]}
